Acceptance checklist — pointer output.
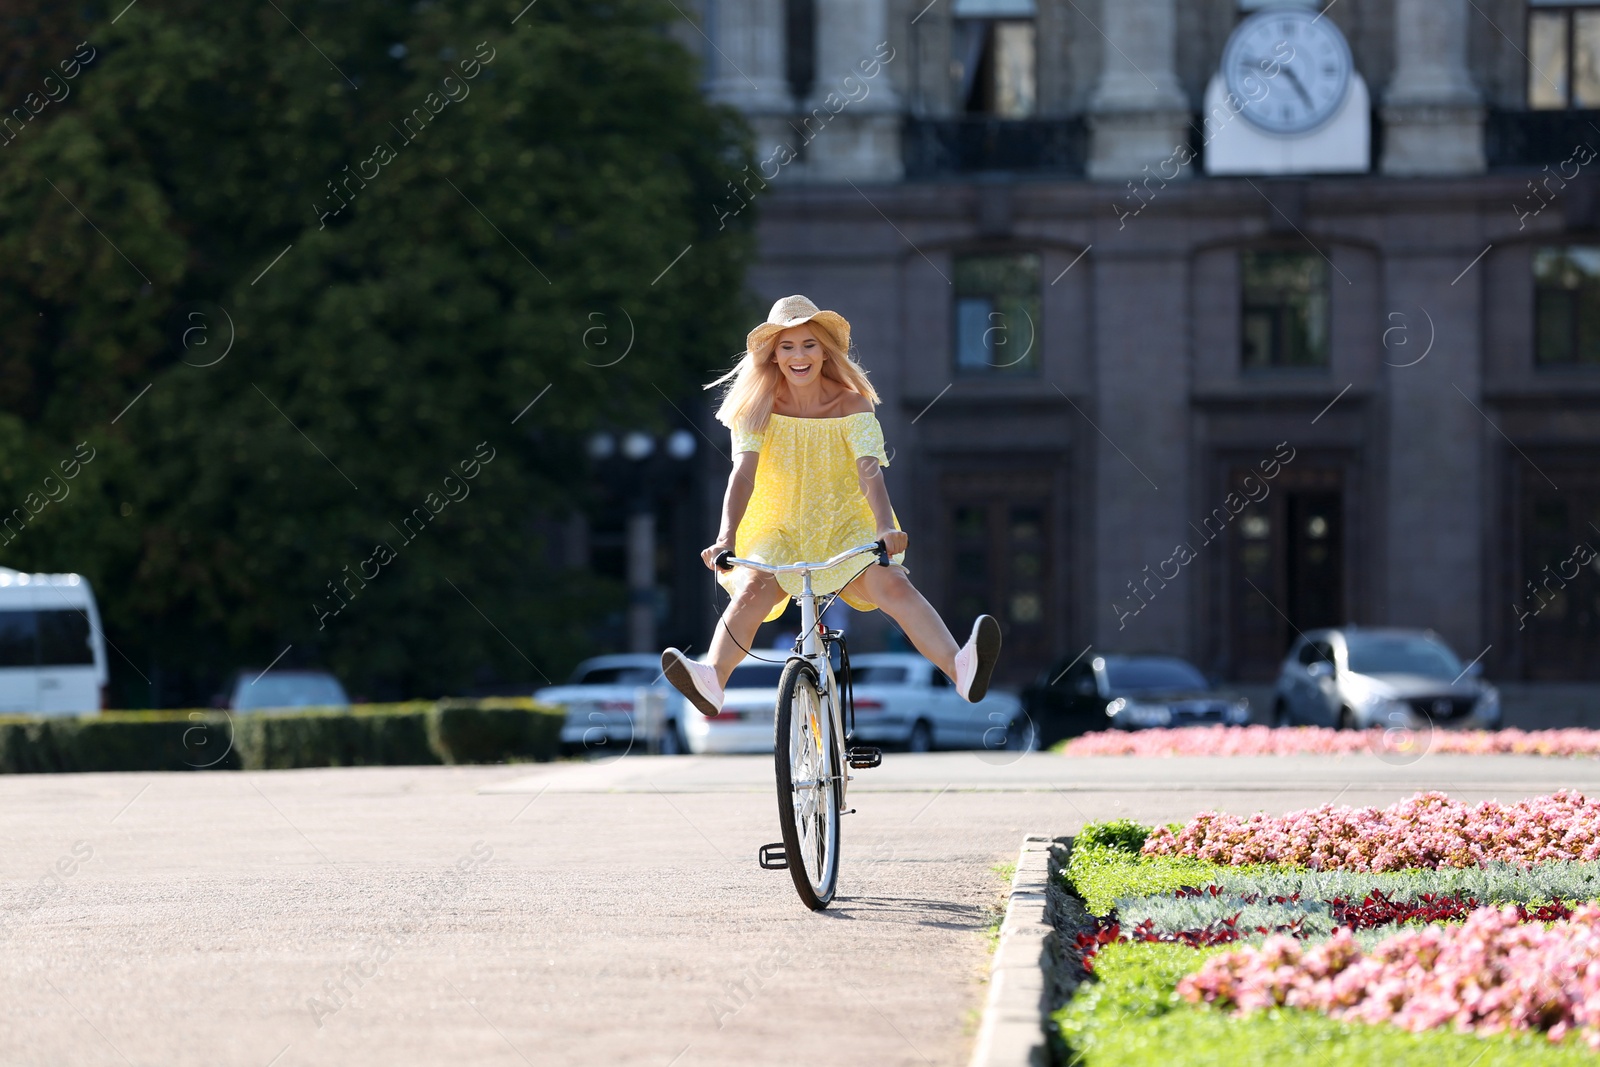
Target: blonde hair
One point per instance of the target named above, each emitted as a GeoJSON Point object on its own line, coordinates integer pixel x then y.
{"type": "Point", "coordinates": [753, 381]}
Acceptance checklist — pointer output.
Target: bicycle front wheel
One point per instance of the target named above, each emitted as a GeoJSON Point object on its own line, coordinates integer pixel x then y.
{"type": "Point", "coordinates": [807, 762]}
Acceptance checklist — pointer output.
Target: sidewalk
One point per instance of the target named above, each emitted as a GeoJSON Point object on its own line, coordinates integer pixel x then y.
{"type": "Point", "coordinates": [560, 913]}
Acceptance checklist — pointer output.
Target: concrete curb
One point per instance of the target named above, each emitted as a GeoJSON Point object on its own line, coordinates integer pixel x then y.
{"type": "Point", "coordinates": [1012, 1033]}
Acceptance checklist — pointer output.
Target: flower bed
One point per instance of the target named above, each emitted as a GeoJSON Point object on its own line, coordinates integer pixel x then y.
{"type": "Point", "coordinates": [1428, 830]}
{"type": "Point", "coordinates": [1219, 942]}
{"type": "Point", "coordinates": [1495, 973]}
{"type": "Point", "coordinates": [1132, 1016]}
{"type": "Point", "coordinates": [1317, 740]}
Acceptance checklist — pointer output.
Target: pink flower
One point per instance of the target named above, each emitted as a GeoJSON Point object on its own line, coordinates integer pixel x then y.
{"type": "Point", "coordinates": [1269, 741]}
{"type": "Point", "coordinates": [1490, 975]}
{"type": "Point", "coordinates": [1427, 830]}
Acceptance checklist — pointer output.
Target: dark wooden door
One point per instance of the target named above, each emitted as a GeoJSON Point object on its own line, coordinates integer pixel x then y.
{"type": "Point", "coordinates": [1285, 571]}
{"type": "Point", "coordinates": [999, 563]}
{"type": "Point", "coordinates": [1555, 594]}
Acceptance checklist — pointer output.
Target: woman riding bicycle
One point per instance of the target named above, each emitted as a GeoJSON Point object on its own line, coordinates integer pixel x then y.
{"type": "Point", "coordinates": [806, 484]}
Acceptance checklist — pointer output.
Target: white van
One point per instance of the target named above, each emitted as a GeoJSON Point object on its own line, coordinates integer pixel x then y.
{"type": "Point", "coordinates": [52, 649]}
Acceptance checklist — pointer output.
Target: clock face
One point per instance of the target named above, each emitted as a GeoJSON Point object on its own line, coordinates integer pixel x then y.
{"type": "Point", "coordinates": [1290, 68]}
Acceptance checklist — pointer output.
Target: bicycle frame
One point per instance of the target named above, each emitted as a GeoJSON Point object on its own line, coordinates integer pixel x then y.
{"type": "Point", "coordinates": [810, 645]}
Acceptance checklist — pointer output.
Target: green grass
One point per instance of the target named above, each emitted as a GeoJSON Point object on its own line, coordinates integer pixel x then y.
{"type": "Point", "coordinates": [1131, 1016]}
{"type": "Point", "coordinates": [1103, 874]}
{"type": "Point", "coordinates": [997, 910]}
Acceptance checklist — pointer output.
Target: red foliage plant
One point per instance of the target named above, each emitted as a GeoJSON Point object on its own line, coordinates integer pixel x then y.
{"type": "Point", "coordinates": [1374, 910]}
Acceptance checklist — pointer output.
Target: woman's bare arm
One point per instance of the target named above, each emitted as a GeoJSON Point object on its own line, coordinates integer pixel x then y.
{"type": "Point", "coordinates": [877, 494]}
{"type": "Point", "coordinates": [741, 484]}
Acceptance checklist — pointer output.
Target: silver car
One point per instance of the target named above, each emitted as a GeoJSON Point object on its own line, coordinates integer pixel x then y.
{"type": "Point", "coordinates": [1355, 678]}
{"type": "Point", "coordinates": [601, 702]}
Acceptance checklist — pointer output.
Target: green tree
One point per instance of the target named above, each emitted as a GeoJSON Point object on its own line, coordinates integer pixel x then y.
{"type": "Point", "coordinates": [401, 264]}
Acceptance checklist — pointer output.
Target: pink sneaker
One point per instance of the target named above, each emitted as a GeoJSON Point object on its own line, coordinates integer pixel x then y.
{"type": "Point", "coordinates": [696, 681]}
{"type": "Point", "coordinates": [975, 661]}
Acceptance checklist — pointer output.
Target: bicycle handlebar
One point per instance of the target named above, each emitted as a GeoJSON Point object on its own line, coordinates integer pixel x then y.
{"type": "Point", "coordinates": [726, 560]}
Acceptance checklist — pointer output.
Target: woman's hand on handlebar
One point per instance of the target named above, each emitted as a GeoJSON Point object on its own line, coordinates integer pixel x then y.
{"type": "Point", "coordinates": [709, 555]}
{"type": "Point", "coordinates": [894, 540]}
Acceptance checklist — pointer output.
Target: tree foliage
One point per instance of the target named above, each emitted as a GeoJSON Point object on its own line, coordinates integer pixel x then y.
{"type": "Point", "coordinates": [398, 221]}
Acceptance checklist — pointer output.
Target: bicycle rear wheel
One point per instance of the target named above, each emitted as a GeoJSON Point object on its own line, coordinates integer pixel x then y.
{"type": "Point", "coordinates": [807, 763]}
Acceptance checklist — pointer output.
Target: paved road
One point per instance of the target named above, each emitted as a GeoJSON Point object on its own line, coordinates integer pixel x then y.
{"type": "Point", "coordinates": [560, 913]}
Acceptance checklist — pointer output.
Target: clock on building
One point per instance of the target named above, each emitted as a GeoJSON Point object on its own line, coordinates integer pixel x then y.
{"type": "Point", "coordinates": [1287, 99]}
{"type": "Point", "coordinates": [1290, 67]}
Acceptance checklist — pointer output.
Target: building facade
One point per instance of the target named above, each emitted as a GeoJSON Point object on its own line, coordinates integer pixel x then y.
{"type": "Point", "coordinates": [1159, 378]}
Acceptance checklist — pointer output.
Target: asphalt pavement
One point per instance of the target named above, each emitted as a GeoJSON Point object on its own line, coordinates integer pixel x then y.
{"type": "Point", "coordinates": [571, 913]}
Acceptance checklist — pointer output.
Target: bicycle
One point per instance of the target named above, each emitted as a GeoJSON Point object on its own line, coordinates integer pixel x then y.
{"type": "Point", "coordinates": [811, 740]}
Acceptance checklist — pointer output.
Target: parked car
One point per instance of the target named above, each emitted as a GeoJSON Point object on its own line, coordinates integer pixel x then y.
{"type": "Point", "coordinates": [285, 690]}
{"type": "Point", "coordinates": [1096, 692]}
{"type": "Point", "coordinates": [901, 700]}
{"type": "Point", "coordinates": [748, 701]}
{"type": "Point", "coordinates": [1354, 677]}
{"type": "Point", "coordinates": [600, 701]}
{"type": "Point", "coordinates": [52, 650]}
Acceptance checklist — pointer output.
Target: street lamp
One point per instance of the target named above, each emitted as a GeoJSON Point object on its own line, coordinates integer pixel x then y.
{"type": "Point", "coordinates": [638, 446]}
{"type": "Point", "coordinates": [644, 477]}
{"type": "Point", "coordinates": [680, 444]}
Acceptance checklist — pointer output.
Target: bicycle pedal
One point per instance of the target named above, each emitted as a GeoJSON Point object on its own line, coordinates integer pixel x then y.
{"type": "Point", "coordinates": [773, 857]}
{"type": "Point", "coordinates": [862, 758]}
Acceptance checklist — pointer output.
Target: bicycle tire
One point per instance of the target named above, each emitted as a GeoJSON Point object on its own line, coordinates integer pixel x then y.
{"type": "Point", "coordinates": [804, 751]}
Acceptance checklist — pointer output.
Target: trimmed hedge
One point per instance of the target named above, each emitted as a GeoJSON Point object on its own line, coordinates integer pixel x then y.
{"type": "Point", "coordinates": [421, 732]}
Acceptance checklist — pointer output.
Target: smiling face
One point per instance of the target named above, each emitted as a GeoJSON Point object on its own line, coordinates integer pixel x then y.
{"type": "Point", "coordinates": [799, 355]}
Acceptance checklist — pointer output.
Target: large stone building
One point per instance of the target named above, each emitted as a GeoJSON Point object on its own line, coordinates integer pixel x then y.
{"type": "Point", "coordinates": [1163, 370]}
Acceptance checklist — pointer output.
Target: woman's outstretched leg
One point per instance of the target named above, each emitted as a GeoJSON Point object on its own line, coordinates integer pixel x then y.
{"type": "Point", "coordinates": [702, 681]}
{"type": "Point", "coordinates": [967, 666]}
{"type": "Point", "coordinates": [737, 628]}
{"type": "Point", "coordinates": [896, 597]}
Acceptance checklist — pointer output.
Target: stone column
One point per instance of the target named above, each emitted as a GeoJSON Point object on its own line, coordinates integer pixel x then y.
{"type": "Point", "coordinates": [851, 124]}
{"type": "Point", "coordinates": [1438, 445]}
{"type": "Point", "coordinates": [1138, 113]}
{"type": "Point", "coordinates": [1141, 511]}
{"type": "Point", "coordinates": [747, 62]}
{"type": "Point", "coordinates": [1432, 112]}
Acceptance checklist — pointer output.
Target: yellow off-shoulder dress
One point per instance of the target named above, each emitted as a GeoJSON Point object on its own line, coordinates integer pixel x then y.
{"type": "Point", "coordinates": [807, 504]}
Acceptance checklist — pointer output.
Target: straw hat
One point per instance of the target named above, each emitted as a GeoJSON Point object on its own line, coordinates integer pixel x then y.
{"type": "Point", "coordinates": [793, 311]}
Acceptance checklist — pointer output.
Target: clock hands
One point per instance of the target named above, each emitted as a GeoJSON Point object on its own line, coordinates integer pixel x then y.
{"type": "Point", "coordinates": [1299, 86]}
{"type": "Point", "coordinates": [1294, 79]}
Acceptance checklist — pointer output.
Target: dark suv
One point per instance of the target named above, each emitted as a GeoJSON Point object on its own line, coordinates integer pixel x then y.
{"type": "Point", "coordinates": [1099, 692]}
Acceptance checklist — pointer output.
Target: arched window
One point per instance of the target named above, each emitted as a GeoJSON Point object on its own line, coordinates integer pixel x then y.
{"type": "Point", "coordinates": [1566, 306]}
{"type": "Point", "coordinates": [997, 312]}
{"type": "Point", "coordinates": [1285, 313]}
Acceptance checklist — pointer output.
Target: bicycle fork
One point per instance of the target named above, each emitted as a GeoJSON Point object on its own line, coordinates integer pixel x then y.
{"type": "Point", "coordinates": [814, 651]}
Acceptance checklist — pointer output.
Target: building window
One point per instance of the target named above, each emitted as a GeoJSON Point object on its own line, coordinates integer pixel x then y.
{"type": "Point", "coordinates": [1563, 55]}
{"type": "Point", "coordinates": [993, 58]}
{"type": "Point", "coordinates": [1285, 315]}
{"type": "Point", "coordinates": [1566, 306]}
{"type": "Point", "coordinates": [997, 314]}
{"type": "Point", "coordinates": [800, 59]}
